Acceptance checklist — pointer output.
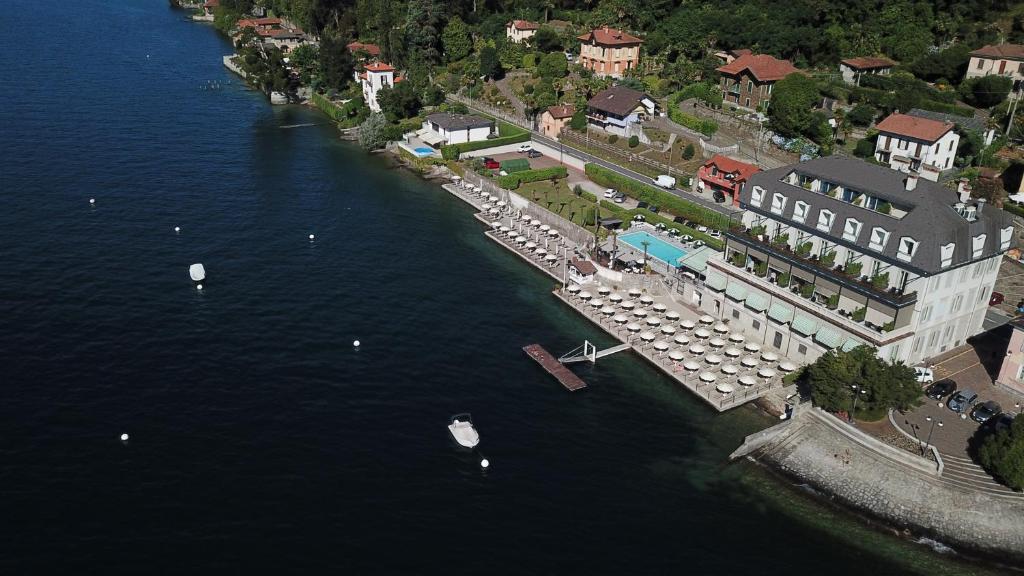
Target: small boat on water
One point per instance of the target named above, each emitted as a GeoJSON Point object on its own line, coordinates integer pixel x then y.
{"type": "Point", "coordinates": [197, 272]}
{"type": "Point", "coordinates": [463, 431]}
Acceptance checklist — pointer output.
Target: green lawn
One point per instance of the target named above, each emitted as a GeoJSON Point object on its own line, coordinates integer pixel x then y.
{"type": "Point", "coordinates": [558, 199]}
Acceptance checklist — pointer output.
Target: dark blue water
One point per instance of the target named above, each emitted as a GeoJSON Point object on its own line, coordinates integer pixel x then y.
{"type": "Point", "coordinates": [261, 441]}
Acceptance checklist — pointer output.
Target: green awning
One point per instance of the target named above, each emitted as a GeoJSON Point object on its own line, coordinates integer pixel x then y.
{"type": "Point", "coordinates": [804, 325]}
{"type": "Point", "coordinates": [697, 260]}
{"type": "Point", "coordinates": [851, 344]}
{"type": "Point", "coordinates": [736, 291]}
{"type": "Point", "coordinates": [780, 313]}
{"type": "Point", "coordinates": [828, 337]}
{"type": "Point", "coordinates": [757, 302]}
{"type": "Point", "coordinates": [715, 281]}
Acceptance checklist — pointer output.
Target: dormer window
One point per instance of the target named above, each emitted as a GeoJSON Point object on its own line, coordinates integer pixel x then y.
{"type": "Point", "coordinates": [908, 247]}
{"type": "Point", "coordinates": [849, 194]}
{"type": "Point", "coordinates": [827, 187]}
{"type": "Point", "coordinates": [778, 203]}
{"type": "Point", "coordinates": [879, 237]}
{"type": "Point", "coordinates": [800, 211]}
{"type": "Point", "coordinates": [758, 196]}
{"type": "Point", "coordinates": [1005, 235]}
{"type": "Point", "coordinates": [946, 254]}
{"type": "Point", "coordinates": [852, 229]}
{"type": "Point", "coordinates": [825, 219]}
{"type": "Point", "coordinates": [977, 245]}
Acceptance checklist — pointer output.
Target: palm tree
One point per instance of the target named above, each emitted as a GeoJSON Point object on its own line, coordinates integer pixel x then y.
{"type": "Point", "coordinates": [645, 244]}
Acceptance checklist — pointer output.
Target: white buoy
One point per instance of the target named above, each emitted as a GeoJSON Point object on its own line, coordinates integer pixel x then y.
{"type": "Point", "coordinates": [312, 237]}
{"type": "Point", "coordinates": [485, 463]}
{"type": "Point", "coordinates": [177, 229]}
{"type": "Point", "coordinates": [199, 286]}
{"type": "Point", "coordinates": [355, 343]}
{"type": "Point", "coordinates": [92, 200]}
{"type": "Point", "coordinates": [124, 437]}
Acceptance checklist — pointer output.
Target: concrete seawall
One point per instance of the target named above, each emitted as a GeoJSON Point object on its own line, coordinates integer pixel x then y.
{"type": "Point", "coordinates": [900, 489]}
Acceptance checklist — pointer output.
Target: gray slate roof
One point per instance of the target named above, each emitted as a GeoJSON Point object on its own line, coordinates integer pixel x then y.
{"type": "Point", "coordinates": [617, 100]}
{"type": "Point", "coordinates": [930, 219]}
{"type": "Point", "coordinates": [973, 124]}
{"type": "Point", "coordinates": [451, 122]}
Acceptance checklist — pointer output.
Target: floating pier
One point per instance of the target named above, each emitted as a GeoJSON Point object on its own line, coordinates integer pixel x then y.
{"type": "Point", "coordinates": [551, 365]}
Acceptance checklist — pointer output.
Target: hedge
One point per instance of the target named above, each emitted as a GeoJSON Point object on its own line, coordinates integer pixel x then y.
{"type": "Point", "coordinates": [512, 181]}
{"type": "Point", "coordinates": [705, 127]}
{"type": "Point", "coordinates": [507, 134]}
{"type": "Point", "coordinates": [658, 197]}
{"type": "Point", "coordinates": [336, 112]}
{"type": "Point", "coordinates": [626, 215]}
{"type": "Point", "coordinates": [1014, 209]}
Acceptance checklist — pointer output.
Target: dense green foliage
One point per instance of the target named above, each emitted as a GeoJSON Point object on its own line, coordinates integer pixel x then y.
{"type": "Point", "coordinates": [832, 378]}
{"type": "Point", "coordinates": [513, 180]}
{"type": "Point", "coordinates": [1002, 454]}
{"type": "Point", "coordinates": [456, 40]}
{"type": "Point", "coordinates": [399, 102]}
{"type": "Point", "coordinates": [985, 92]}
{"type": "Point", "coordinates": [793, 99]}
{"type": "Point", "coordinates": [705, 127]}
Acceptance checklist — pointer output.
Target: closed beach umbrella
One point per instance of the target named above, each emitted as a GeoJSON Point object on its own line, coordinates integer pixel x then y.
{"type": "Point", "coordinates": [647, 336]}
{"type": "Point", "coordinates": [752, 347]}
{"type": "Point", "coordinates": [574, 288]}
{"type": "Point", "coordinates": [721, 328]}
{"type": "Point", "coordinates": [691, 366]}
{"type": "Point", "coordinates": [787, 366]}
{"type": "Point", "coordinates": [597, 303]}
{"type": "Point", "coordinates": [769, 356]}
{"type": "Point", "coordinates": [687, 324]}
{"type": "Point", "coordinates": [696, 349]}
{"type": "Point", "coordinates": [676, 355]}
{"type": "Point", "coordinates": [749, 361]}
{"type": "Point", "coordinates": [702, 333]}
{"type": "Point", "coordinates": [747, 380]}
{"type": "Point", "coordinates": [652, 321]}
{"type": "Point", "coordinates": [705, 319]}
{"type": "Point", "coordinates": [604, 290]}
{"type": "Point", "coordinates": [531, 245]}
{"type": "Point", "coordinates": [615, 298]}
{"type": "Point", "coordinates": [584, 295]}
{"type": "Point", "coordinates": [661, 346]}
{"type": "Point", "coordinates": [729, 369]}
{"type": "Point", "coordinates": [607, 310]}
{"type": "Point", "coordinates": [627, 304]}
{"type": "Point", "coordinates": [713, 359]}
{"type": "Point", "coordinates": [645, 300]}
{"type": "Point", "coordinates": [520, 239]}
{"type": "Point", "coordinates": [672, 315]}
{"type": "Point", "coordinates": [736, 337]}
{"type": "Point", "coordinates": [725, 388]}
{"type": "Point", "coordinates": [707, 377]}
{"type": "Point", "coordinates": [640, 313]}
{"type": "Point", "coordinates": [716, 342]}
{"type": "Point", "coordinates": [668, 329]}
{"type": "Point", "coordinates": [681, 339]}
{"type": "Point", "coordinates": [634, 292]}
{"type": "Point", "coordinates": [620, 319]}
{"type": "Point", "coordinates": [732, 352]}
{"type": "Point", "coordinates": [766, 372]}
{"type": "Point", "coordinates": [633, 327]}
{"type": "Point", "coordinates": [658, 307]}
{"type": "Point", "coordinates": [551, 257]}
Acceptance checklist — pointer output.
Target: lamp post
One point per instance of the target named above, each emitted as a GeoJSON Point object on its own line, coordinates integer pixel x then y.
{"type": "Point", "coordinates": [928, 442]}
{"type": "Point", "coordinates": [856, 390]}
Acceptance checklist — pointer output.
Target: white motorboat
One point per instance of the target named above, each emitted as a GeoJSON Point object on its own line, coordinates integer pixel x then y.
{"type": "Point", "coordinates": [463, 431]}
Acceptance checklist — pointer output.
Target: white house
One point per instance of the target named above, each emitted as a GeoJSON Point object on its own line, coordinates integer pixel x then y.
{"type": "Point", "coordinates": [910, 143]}
{"type": "Point", "coordinates": [582, 271]}
{"type": "Point", "coordinates": [620, 110]}
{"type": "Point", "coordinates": [1000, 59]}
{"type": "Point", "coordinates": [520, 31]}
{"type": "Point", "coordinates": [853, 68]}
{"type": "Point", "coordinates": [373, 78]}
{"type": "Point", "coordinates": [443, 128]}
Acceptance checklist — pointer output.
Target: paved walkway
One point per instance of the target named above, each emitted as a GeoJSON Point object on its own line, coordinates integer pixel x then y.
{"type": "Point", "coordinates": [505, 88]}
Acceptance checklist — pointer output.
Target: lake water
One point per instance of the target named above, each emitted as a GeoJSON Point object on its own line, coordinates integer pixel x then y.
{"type": "Point", "coordinates": [261, 441]}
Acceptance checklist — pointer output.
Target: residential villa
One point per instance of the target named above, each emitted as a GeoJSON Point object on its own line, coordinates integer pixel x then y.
{"type": "Point", "coordinates": [619, 110]}
{"type": "Point", "coordinates": [443, 128]}
{"type": "Point", "coordinates": [609, 52]}
{"type": "Point", "coordinates": [725, 175]}
{"type": "Point", "coordinates": [1011, 373]}
{"type": "Point", "coordinates": [747, 81]}
{"type": "Point", "coordinates": [913, 144]}
{"type": "Point", "coordinates": [836, 252]}
{"type": "Point", "coordinates": [373, 78]}
{"type": "Point", "coordinates": [853, 68]}
{"type": "Point", "coordinates": [963, 124]}
{"type": "Point", "coordinates": [363, 51]}
{"type": "Point", "coordinates": [555, 118]}
{"type": "Point", "coordinates": [287, 39]}
{"type": "Point", "coordinates": [1000, 59]}
{"type": "Point", "coordinates": [208, 8]}
{"type": "Point", "coordinates": [520, 31]}
{"type": "Point", "coordinates": [258, 24]}
{"type": "Point", "coordinates": [727, 56]}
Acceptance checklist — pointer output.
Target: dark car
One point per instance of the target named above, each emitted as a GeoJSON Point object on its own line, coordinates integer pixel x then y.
{"type": "Point", "coordinates": [962, 401]}
{"type": "Point", "coordinates": [619, 198]}
{"type": "Point", "coordinates": [996, 299]}
{"type": "Point", "coordinates": [642, 204]}
{"type": "Point", "coordinates": [680, 220]}
{"type": "Point", "coordinates": [985, 411]}
{"type": "Point", "coordinates": [941, 389]}
{"type": "Point", "coordinates": [653, 208]}
{"type": "Point", "coordinates": [691, 225]}
{"type": "Point", "coordinates": [719, 196]}
{"type": "Point", "coordinates": [491, 163]}
{"type": "Point", "coordinates": [533, 154]}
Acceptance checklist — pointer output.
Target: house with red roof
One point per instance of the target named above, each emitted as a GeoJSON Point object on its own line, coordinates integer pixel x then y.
{"type": "Point", "coordinates": [362, 51]}
{"type": "Point", "coordinates": [999, 59]}
{"type": "Point", "coordinates": [747, 81]}
{"type": "Point", "coordinates": [373, 78]}
{"type": "Point", "coordinates": [609, 52]}
{"type": "Point", "coordinates": [725, 178]}
{"type": "Point", "coordinates": [853, 68]}
{"type": "Point", "coordinates": [520, 31]}
{"type": "Point", "coordinates": [913, 144]}
{"type": "Point", "coordinates": [727, 56]}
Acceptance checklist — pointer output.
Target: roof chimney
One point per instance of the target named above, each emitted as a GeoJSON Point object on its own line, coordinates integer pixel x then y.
{"type": "Point", "coordinates": [963, 189]}
{"type": "Point", "coordinates": [911, 181]}
{"type": "Point", "coordinates": [981, 205]}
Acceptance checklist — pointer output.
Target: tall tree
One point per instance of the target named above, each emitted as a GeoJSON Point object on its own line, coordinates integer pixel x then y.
{"type": "Point", "coordinates": [336, 63]}
{"type": "Point", "coordinates": [789, 110]}
{"type": "Point", "coordinates": [456, 40]}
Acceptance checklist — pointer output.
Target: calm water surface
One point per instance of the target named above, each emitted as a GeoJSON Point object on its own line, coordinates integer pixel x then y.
{"type": "Point", "coordinates": [261, 442]}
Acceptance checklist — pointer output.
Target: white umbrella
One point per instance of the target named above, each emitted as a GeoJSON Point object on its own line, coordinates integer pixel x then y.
{"type": "Point", "coordinates": [620, 319]}
{"type": "Point", "coordinates": [545, 228]}
{"type": "Point", "coordinates": [707, 377]}
{"type": "Point", "coordinates": [668, 329]}
{"type": "Point", "coordinates": [769, 356]}
{"type": "Point", "coordinates": [766, 372]}
{"type": "Point", "coordinates": [653, 321]}
{"type": "Point", "coordinates": [501, 204]}
{"type": "Point", "coordinates": [732, 352]}
{"type": "Point", "coordinates": [640, 313]}
{"type": "Point", "coordinates": [748, 380]}
{"type": "Point", "coordinates": [787, 366]}
{"type": "Point", "coordinates": [736, 337]}
{"type": "Point", "coordinates": [531, 245]}
{"type": "Point", "coordinates": [525, 217]}
{"type": "Point", "coordinates": [662, 346]}
{"type": "Point", "coordinates": [687, 324]}
{"type": "Point", "coordinates": [596, 303]}
{"type": "Point", "coordinates": [681, 339]}
{"type": "Point", "coordinates": [725, 388]}
{"type": "Point", "coordinates": [520, 239]}
{"type": "Point", "coordinates": [504, 229]}
{"type": "Point", "coordinates": [493, 198]}
{"type": "Point", "coordinates": [575, 288]}
{"type": "Point", "coordinates": [713, 359]}
{"type": "Point", "coordinates": [721, 328]}
{"type": "Point", "coordinates": [494, 211]}
{"type": "Point", "coordinates": [716, 342]}
{"type": "Point", "coordinates": [749, 361]}
{"type": "Point", "coordinates": [676, 355]}
{"type": "Point", "coordinates": [701, 333]}
{"type": "Point", "coordinates": [691, 366]}
{"type": "Point", "coordinates": [633, 327]}
{"type": "Point", "coordinates": [645, 300]}
{"type": "Point", "coordinates": [603, 290]}
{"type": "Point", "coordinates": [634, 292]}
{"type": "Point", "coordinates": [696, 349]}
{"type": "Point", "coordinates": [729, 369]}
{"type": "Point", "coordinates": [658, 307]}
{"type": "Point", "coordinates": [534, 223]}
{"type": "Point", "coordinates": [705, 319]}
{"type": "Point", "coordinates": [551, 257]}
{"type": "Point", "coordinates": [456, 178]}
{"type": "Point", "coordinates": [552, 233]}
{"type": "Point", "coordinates": [615, 298]}
{"type": "Point", "coordinates": [672, 315]}
{"type": "Point", "coordinates": [607, 310]}
{"type": "Point", "coordinates": [485, 206]}
{"type": "Point", "coordinates": [647, 336]}
{"type": "Point", "coordinates": [540, 252]}
{"type": "Point", "coordinates": [752, 347]}
{"type": "Point", "coordinates": [627, 304]}
{"type": "Point", "coordinates": [495, 224]}
{"type": "Point", "coordinates": [584, 295]}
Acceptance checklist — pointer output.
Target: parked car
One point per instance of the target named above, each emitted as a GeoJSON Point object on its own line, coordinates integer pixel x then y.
{"type": "Point", "coordinates": [680, 220]}
{"type": "Point", "coordinates": [702, 228]}
{"type": "Point", "coordinates": [533, 154]}
{"type": "Point", "coordinates": [653, 208]}
{"type": "Point", "coordinates": [525, 147]}
{"type": "Point", "coordinates": [569, 56]}
{"type": "Point", "coordinates": [689, 224]}
{"type": "Point", "coordinates": [941, 389]}
{"type": "Point", "coordinates": [962, 401]}
{"type": "Point", "coordinates": [665, 181]}
{"type": "Point", "coordinates": [996, 299]}
{"type": "Point", "coordinates": [924, 375]}
{"type": "Point", "coordinates": [641, 204]}
{"type": "Point", "coordinates": [715, 233]}
{"type": "Point", "coordinates": [719, 196]}
{"type": "Point", "coordinates": [609, 193]}
{"type": "Point", "coordinates": [491, 163]}
{"type": "Point", "coordinates": [985, 411]}
{"type": "Point", "coordinates": [619, 198]}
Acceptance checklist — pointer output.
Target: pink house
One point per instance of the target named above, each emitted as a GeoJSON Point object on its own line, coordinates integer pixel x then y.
{"type": "Point", "coordinates": [1011, 374]}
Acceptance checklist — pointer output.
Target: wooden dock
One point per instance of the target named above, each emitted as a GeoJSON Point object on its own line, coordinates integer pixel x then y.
{"type": "Point", "coordinates": [565, 377]}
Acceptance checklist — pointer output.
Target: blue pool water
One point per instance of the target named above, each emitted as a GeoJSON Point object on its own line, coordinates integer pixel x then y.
{"type": "Point", "coordinates": [423, 152]}
{"type": "Point", "coordinates": [656, 248]}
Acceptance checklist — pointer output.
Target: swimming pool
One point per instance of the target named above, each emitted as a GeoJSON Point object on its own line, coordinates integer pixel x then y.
{"type": "Point", "coordinates": [423, 151]}
{"type": "Point", "coordinates": [656, 247]}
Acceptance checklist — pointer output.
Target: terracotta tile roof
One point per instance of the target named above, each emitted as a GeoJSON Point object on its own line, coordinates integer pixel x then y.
{"type": "Point", "coordinates": [1010, 51]}
{"type": "Point", "coordinates": [585, 267]}
{"type": "Point", "coordinates": [371, 49]}
{"type": "Point", "coordinates": [914, 127]}
{"type": "Point", "coordinates": [211, 3]}
{"type": "Point", "coordinates": [609, 37]}
{"type": "Point", "coordinates": [868, 63]}
{"type": "Point", "coordinates": [380, 67]}
{"type": "Point", "coordinates": [565, 111]}
{"type": "Point", "coordinates": [730, 166]}
{"type": "Point", "coordinates": [254, 22]}
{"type": "Point", "coordinates": [523, 25]}
{"type": "Point", "coordinates": [761, 66]}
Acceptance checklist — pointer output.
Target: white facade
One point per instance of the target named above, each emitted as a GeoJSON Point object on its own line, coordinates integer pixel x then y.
{"type": "Point", "coordinates": [520, 31]}
{"type": "Point", "coordinates": [373, 80]}
{"type": "Point", "coordinates": [441, 129]}
{"type": "Point", "coordinates": [908, 154]}
{"type": "Point", "coordinates": [852, 75]}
